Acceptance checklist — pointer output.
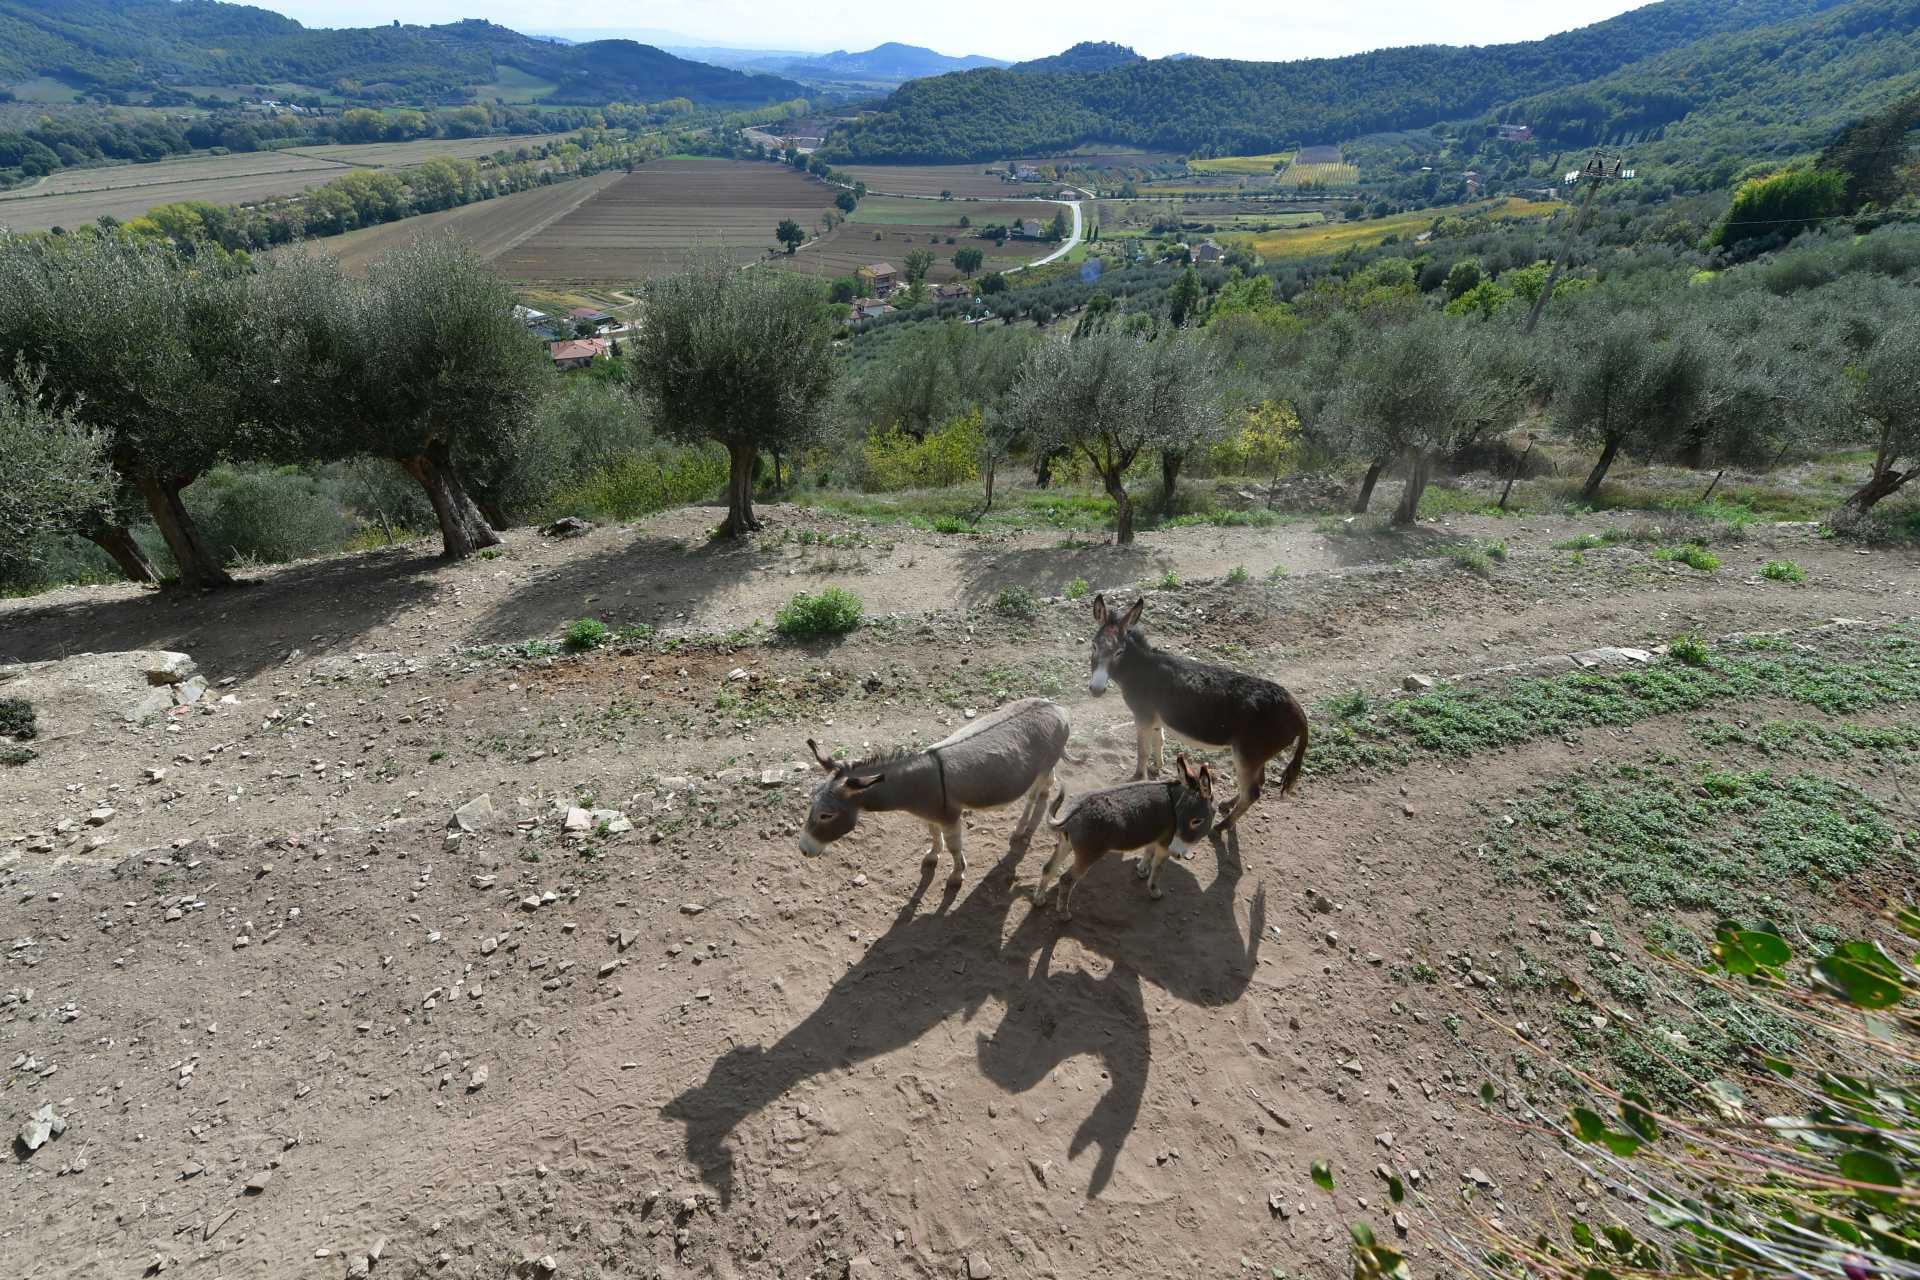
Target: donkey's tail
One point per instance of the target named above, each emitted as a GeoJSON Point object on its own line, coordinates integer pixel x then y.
{"type": "Point", "coordinates": [1291, 777]}
{"type": "Point", "coordinates": [1053, 810]}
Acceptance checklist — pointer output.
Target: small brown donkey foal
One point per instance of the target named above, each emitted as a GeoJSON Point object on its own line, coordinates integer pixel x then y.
{"type": "Point", "coordinates": [1213, 706]}
{"type": "Point", "coordinates": [1157, 818]}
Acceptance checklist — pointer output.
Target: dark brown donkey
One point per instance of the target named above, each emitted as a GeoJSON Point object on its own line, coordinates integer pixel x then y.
{"type": "Point", "coordinates": [1213, 706]}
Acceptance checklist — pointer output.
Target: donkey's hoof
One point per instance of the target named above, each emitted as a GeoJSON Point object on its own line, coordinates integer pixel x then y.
{"type": "Point", "coordinates": [1223, 827]}
{"type": "Point", "coordinates": [931, 861]}
{"type": "Point", "coordinates": [1142, 869]}
{"type": "Point", "coordinates": [1154, 892]}
{"type": "Point", "coordinates": [954, 881]}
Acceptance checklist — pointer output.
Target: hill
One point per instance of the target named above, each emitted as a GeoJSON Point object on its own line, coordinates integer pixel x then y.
{"type": "Point", "coordinates": [136, 46]}
{"type": "Point", "coordinates": [1088, 55]}
{"type": "Point", "coordinates": [1704, 112]}
{"type": "Point", "coordinates": [891, 62]}
{"type": "Point", "coordinates": [1220, 106]}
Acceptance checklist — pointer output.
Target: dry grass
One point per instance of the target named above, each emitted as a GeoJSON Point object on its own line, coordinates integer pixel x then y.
{"type": "Point", "coordinates": [1332, 237]}
{"type": "Point", "coordinates": [1251, 165]}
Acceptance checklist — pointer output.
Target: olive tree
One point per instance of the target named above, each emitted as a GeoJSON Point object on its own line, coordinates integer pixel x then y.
{"type": "Point", "coordinates": [1113, 397]}
{"type": "Point", "coordinates": [743, 358]}
{"type": "Point", "coordinates": [446, 379]}
{"type": "Point", "coordinates": [54, 473]}
{"type": "Point", "coordinates": [146, 347]}
{"type": "Point", "coordinates": [1635, 379]}
{"type": "Point", "coordinates": [1886, 393]}
{"type": "Point", "coordinates": [1419, 390]}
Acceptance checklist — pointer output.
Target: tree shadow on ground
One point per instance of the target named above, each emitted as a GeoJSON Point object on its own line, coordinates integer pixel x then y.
{"type": "Point", "coordinates": [239, 631]}
{"type": "Point", "coordinates": [1370, 540]}
{"type": "Point", "coordinates": [928, 967]}
{"type": "Point", "coordinates": [1046, 571]}
{"type": "Point", "coordinates": [664, 576]}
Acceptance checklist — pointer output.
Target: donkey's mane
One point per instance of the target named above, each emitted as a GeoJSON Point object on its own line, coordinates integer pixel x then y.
{"type": "Point", "coordinates": [885, 756]}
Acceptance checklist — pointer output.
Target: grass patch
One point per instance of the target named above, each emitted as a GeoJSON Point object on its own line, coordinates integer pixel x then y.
{"type": "Point", "coordinates": [833, 612]}
{"type": "Point", "coordinates": [1077, 589]}
{"type": "Point", "coordinates": [1689, 649]}
{"type": "Point", "coordinates": [1849, 672]}
{"type": "Point", "coordinates": [1783, 571]}
{"type": "Point", "coordinates": [1692, 555]}
{"type": "Point", "coordinates": [1478, 558]}
{"type": "Point", "coordinates": [1580, 542]}
{"type": "Point", "coordinates": [18, 719]}
{"type": "Point", "coordinates": [1237, 576]}
{"type": "Point", "coordinates": [13, 753]}
{"type": "Point", "coordinates": [1168, 581]}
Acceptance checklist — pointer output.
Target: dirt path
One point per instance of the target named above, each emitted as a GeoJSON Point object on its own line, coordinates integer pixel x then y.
{"type": "Point", "coordinates": [706, 1055]}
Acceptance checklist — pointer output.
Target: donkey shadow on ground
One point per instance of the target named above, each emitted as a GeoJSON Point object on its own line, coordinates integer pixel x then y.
{"type": "Point", "coordinates": [928, 967]}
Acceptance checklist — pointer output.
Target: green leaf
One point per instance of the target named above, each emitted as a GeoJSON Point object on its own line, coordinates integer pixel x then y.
{"type": "Point", "coordinates": [1780, 1067]}
{"type": "Point", "coordinates": [1587, 1125]}
{"type": "Point", "coordinates": [1633, 1109]}
{"type": "Point", "coordinates": [1869, 1166]}
{"type": "Point", "coordinates": [1322, 1174]}
{"type": "Point", "coordinates": [1486, 1092]}
{"type": "Point", "coordinates": [1582, 1235]}
{"type": "Point", "coordinates": [1907, 920]}
{"type": "Point", "coordinates": [1362, 1234]}
{"type": "Point", "coordinates": [1867, 985]}
{"type": "Point", "coordinates": [1622, 1145]}
{"type": "Point", "coordinates": [1766, 948]}
{"type": "Point", "coordinates": [1395, 1190]}
{"type": "Point", "coordinates": [1596, 1273]}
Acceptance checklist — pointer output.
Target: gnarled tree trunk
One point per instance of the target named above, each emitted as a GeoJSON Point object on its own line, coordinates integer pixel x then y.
{"type": "Point", "coordinates": [741, 460]}
{"type": "Point", "coordinates": [1599, 472]}
{"type": "Point", "coordinates": [1884, 483]}
{"type": "Point", "coordinates": [1043, 461]}
{"type": "Point", "coordinates": [199, 568]}
{"type": "Point", "coordinates": [463, 530]}
{"type": "Point", "coordinates": [1364, 498]}
{"type": "Point", "coordinates": [1419, 468]}
{"type": "Point", "coordinates": [116, 541]}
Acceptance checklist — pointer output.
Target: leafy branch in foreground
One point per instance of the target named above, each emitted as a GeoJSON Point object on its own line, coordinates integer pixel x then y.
{"type": "Point", "coordinates": [1811, 1170]}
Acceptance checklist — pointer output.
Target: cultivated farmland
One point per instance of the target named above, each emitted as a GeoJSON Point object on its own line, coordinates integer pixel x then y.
{"type": "Point", "coordinates": [1319, 167]}
{"type": "Point", "coordinates": [1246, 165]}
{"type": "Point", "coordinates": [649, 222]}
{"type": "Point", "coordinates": [1308, 242]}
{"type": "Point", "coordinates": [491, 226]}
{"type": "Point", "coordinates": [76, 196]}
{"type": "Point", "coordinates": [964, 180]}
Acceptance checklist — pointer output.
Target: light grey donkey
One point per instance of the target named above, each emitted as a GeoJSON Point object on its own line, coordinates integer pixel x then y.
{"type": "Point", "coordinates": [1157, 818]}
{"type": "Point", "coordinates": [992, 762]}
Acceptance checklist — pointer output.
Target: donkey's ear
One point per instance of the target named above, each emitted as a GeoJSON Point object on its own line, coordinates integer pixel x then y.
{"type": "Point", "coordinates": [1132, 617]}
{"type": "Point", "coordinates": [1100, 611]}
{"type": "Point", "coordinates": [1206, 781]}
{"type": "Point", "coordinates": [1186, 772]}
{"type": "Point", "coordinates": [861, 784]}
{"type": "Point", "coordinates": [825, 761]}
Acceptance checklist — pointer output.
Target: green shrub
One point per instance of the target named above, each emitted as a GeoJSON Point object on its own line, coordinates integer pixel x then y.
{"type": "Point", "coordinates": [1688, 648]}
{"type": "Point", "coordinates": [1016, 602]}
{"type": "Point", "coordinates": [1496, 551]}
{"type": "Point", "coordinates": [948, 456]}
{"type": "Point", "coordinates": [269, 515]}
{"type": "Point", "coordinates": [1077, 589]}
{"type": "Point", "coordinates": [833, 612]}
{"type": "Point", "coordinates": [637, 486]}
{"type": "Point", "coordinates": [1237, 575]}
{"type": "Point", "coordinates": [949, 524]}
{"type": "Point", "coordinates": [17, 718]}
{"type": "Point", "coordinates": [1349, 704]}
{"type": "Point", "coordinates": [1276, 573]}
{"type": "Point", "coordinates": [1783, 571]}
{"type": "Point", "coordinates": [1693, 555]}
{"type": "Point", "coordinates": [13, 754]}
{"type": "Point", "coordinates": [1168, 581]}
{"type": "Point", "coordinates": [1472, 559]}
{"type": "Point", "coordinates": [586, 633]}
{"type": "Point", "coordinates": [1579, 542]}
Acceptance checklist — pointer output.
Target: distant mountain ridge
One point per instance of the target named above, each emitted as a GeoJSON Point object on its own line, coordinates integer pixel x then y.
{"type": "Point", "coordinates": [141, 45]}
{"type": "Point", "coordinates": [1224, 106]}
{"type": "Point", "coordinates": [890, 61]}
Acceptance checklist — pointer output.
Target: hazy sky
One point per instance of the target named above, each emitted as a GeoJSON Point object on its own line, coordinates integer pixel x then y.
{"type": "Point", "coordinates": [1216, 28]}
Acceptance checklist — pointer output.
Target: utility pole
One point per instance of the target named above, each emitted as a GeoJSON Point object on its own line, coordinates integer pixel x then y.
{"type": "Point", "coordinates": [1596, 172]}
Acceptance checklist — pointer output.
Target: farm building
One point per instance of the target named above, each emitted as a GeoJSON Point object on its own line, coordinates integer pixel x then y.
{"type": "Point", "coordinates": [597, 319]}
{"type": "Point", "coordinates": [1514, 133]}
{"type": "Point", "coordinates": [1028, 229]}
{"type": "Point", "coordinates": [869, 308]}
{"type": "Point", "coordinates": [528, 316]}
{"type": "Point", "coordinates": [879, 278]}
{"type": "Point", "coordinates": [578, 353]}
{"type": "Point", "coordinates": [954, 289]}
{"type": "Point", "coordinates": [1207, 251]}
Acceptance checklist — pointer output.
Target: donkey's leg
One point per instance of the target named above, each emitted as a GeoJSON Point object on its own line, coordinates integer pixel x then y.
{"type": "Point", "coordinates": [1143, 865]}
{"type": "Point", "coordinates": [932, 858]}
{"type": "Point", "coordinates": [1142, 736]}
{"type": "Point", "coordinates": [1159, 748]}
{"type": "Point", "coordinates": [1078, 873]}
{"type": "Point", "coordinates": [954, 831]}
{"type": "Point", "coordinates": [1251, 775]}
{"type": "Point", "coordinates": [1050, 875]}
{"type": "Point", "coordinates": [1158, 854]}
{"type": "Point", "coordinates": [1036, 805]}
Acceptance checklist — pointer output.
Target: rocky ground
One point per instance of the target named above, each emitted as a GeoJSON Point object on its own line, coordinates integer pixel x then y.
{"type": "Point", "coordinates": [321, 976]}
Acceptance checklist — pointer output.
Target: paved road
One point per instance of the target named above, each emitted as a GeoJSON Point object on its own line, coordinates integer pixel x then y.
{"type": "Point", "coordinates": [1064, 249]}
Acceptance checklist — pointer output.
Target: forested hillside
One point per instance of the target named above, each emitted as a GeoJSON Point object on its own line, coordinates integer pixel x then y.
{"type": "Point", "coordinates": [130, 46]}
{"type": "Point", "coordinates": [1219, 106]}
{"type": "Point", "coordinates": [1088, 55]}
{"type": "Point", "coordinates": [1706, 111]}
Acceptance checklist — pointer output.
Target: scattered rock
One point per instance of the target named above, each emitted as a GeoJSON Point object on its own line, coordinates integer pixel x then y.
{"type": "Point", "coordinates": [163, 666]}
{"type": "Point", "coordinates": [41, 1127]}
{"type": "Point", "coordinates": [691, 908]}
{"type": "Point", "coordinates": [475, 815]}
{"type": "Point", "coordinates": [1417, 683]}
{"type": "Point", "coordinates": [978, 1268]}
{"type": "Point", "coordinates": [478, 1080]}
{"type": "Point", "coordinates": [566, 527]}
{"type": "Point", "coordinates": [1596, 939]}
{"type": "Point", "coordinates": [577, 819]}
{"type": "Point", "coordinates": [258, 1182]}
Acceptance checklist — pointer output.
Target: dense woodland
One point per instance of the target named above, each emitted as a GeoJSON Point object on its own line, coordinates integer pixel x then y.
{"type": "Point", "coordinates": [136, 46]}
{"type": "Point", "coordinates": [1211, 106]}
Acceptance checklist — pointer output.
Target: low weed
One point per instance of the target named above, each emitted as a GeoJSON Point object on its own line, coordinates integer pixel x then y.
{"type": "Point", "coordinates": [1077, 589]}
{"type": "Point", "coordinates": [13, 753]}
{"type": "Point", "coordinates": [1783, 571]}
{"type": "Point", "coordinates": [1237, 576]}
{"type": "Point", "coordinates": [17, 719]}
{"type": "Point", "coordinates": [1168, 581]}
{"type": "Point", "coordinates": [1580, 542]}
{"type": "Point", "coordinates": [1015, 601]}
{"type": "Point", "coordinates": [1693, 555]}
{"type": "Point", "coordinates": [1277, 573]}
{"type": "Point", "coordinates": [585, 634]}
{"type": "Point", "coordinates": [1688, 648]}
{"type": "Point", "coordinates": [834, 611]}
